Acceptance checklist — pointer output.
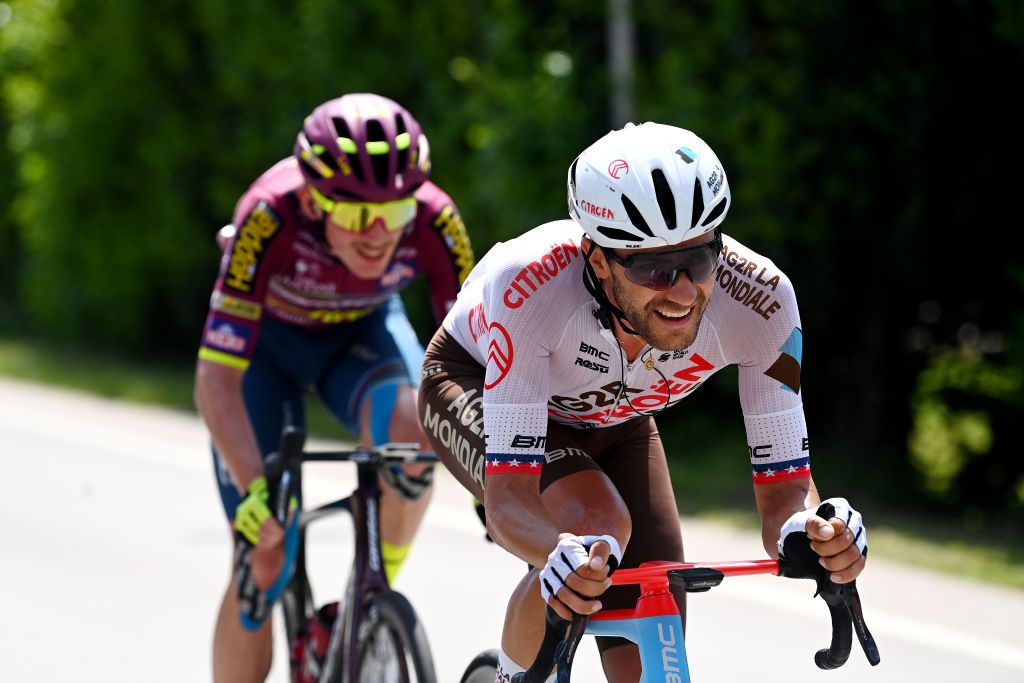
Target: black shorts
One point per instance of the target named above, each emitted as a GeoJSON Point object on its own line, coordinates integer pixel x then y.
{"type": "Point", "coordinates": [631, 455]}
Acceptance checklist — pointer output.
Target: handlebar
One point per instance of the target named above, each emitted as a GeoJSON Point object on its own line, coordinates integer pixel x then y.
{"type": "Point", "coordinates": [559, 644]}
{"type": "Point", "coordinates": [281, 468]}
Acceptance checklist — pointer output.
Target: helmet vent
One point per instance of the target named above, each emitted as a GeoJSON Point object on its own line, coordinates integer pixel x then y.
{"type": "Point", "coordinates": [572, 174]}
{"type": "Point", "coordinates": [375, 133]}
{"type": "Point", "coordinates": [717, 211]}
{"type": "Point", "coordinates": [666, 202]}
{"type": "Point", "coordinates": [403, 154]}
{"type": "Point", "coordinates": [618, 235]}
{"type": "Point", "coordinates": [308, 170]}
{"type": "Point", "coordinates": [635, 217]}
{"type": "Point", "coordinates": [341, 129]}
{"type": "Point", "coordinates": [698, 203]}
{"type": "Point", "coordinates": [328, 160]}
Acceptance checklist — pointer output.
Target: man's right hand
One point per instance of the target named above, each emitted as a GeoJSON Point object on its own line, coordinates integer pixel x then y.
{"type": "Point", "coordinates": [574, 575]}
{"type": "Point", "coordinates": [257, 525]}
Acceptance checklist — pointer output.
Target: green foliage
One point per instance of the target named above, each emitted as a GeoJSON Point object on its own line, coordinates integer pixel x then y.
{"type": "Point", "coordinates": [866, 153]}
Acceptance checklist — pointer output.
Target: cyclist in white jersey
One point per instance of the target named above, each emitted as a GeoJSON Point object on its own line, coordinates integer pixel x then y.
{"type": "Point", "coordinates": [540, 388]}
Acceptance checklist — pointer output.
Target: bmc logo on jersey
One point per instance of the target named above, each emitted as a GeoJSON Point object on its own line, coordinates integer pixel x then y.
{"type": "Point", "coordinates": [524, 441]}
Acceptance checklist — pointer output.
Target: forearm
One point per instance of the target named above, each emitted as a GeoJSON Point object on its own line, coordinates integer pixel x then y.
{"type": "Point", "coordinates": [777, 502]}
{"type": "Point", "coordinates": [528, 523]}
{"type": "Point", "coordinates": [219, 399]}
{"type": "Point", "coordinates": [517, 519]}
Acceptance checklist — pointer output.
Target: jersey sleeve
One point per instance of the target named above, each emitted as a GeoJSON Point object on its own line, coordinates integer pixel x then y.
{"type": "Point", "coordinates": [445, 253]}
{"type": "Point", "coordinates": [769, 386]}
{"type": "Point", "coordinates": [236, 305]}
{"type": "Point", "coordinates": [516, 382]}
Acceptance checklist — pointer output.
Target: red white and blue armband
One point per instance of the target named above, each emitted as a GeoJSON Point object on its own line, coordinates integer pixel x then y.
{"type": "Point", "coordinates": [516, 438]}
{"type": "Point", "coordinates": [778, 446]}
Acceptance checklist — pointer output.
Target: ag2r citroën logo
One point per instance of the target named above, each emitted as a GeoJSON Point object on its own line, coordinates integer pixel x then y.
{"type": "Point", "coordinates": [618, 168]}
{"type": "Point", "coordinates": [499, 353]}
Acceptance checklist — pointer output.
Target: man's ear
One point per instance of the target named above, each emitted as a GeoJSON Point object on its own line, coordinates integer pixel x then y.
{"type": "Point", "coordinates": [596, 257]}
{"type": "Point", "coordinates": [309, 207]}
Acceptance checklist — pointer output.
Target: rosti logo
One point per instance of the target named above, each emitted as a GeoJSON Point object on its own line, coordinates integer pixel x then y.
{"type": "Point", "coordinates": [259, 227]}
{"type": "Point", "coordinates": [477, 322]}
{"type": "Point", "coordinates": [549, 265]}
{"type": "Point", "coordinates": [598, 211]}
{"type": "Point", "coordinates": [499, 354]}
{"type": "Point", "coordinates": [618, 168]}
{"type": "Point", "coordinates": [449, 222]}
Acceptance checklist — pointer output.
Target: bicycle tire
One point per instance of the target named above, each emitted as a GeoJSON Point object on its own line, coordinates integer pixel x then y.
{"type": "Point", "coordinates": [483, 668]}
{"type": "Point", "coordinates": [388, 615]}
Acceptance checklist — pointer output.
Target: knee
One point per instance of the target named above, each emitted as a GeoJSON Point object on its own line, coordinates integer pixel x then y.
{"type": "Point", "coordinates": [390, 416]}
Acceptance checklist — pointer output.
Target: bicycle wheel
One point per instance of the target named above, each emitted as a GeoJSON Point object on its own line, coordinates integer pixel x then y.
{"type": "Point", "coordinates": [483, 668]}
{"type": "Point", "coordinates": [392, 646]}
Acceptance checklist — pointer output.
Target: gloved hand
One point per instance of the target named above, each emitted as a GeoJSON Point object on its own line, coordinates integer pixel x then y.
{"type": "Point", "coordinates": [264, 554]}
{"type": "Point", "coordinates": [835, 532]}
{"type": "Point", "coordinates": [571, 561]}
{"type": "Point", "coordinates": [254, 510]}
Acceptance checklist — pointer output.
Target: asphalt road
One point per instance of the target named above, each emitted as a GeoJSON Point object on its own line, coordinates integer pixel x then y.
{"type": "Point", "coordinates": [114, 553]}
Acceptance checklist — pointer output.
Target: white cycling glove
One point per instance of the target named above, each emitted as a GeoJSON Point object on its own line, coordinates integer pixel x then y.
{"type": "Point", "coordinates": [843, 510]}
{"type": "Point", "coordinates": [571, 553]}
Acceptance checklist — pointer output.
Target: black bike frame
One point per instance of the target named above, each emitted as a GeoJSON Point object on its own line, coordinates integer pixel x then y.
{"type": "Point", "coordinates": [367, 575]}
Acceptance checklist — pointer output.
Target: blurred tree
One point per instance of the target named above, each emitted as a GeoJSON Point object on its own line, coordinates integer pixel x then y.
{"type": "Point", "coordinates": [868, 155]}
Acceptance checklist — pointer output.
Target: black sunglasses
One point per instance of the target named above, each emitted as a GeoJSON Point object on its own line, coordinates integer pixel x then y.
{"type": "Point", "coordinates": [660, 270]}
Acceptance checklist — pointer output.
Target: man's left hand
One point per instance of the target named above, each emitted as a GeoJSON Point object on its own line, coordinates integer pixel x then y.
{"type": "Point", "coordinates": [840, 541]}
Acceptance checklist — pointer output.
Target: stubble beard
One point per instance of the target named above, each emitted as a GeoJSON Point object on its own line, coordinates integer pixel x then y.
{"type": "Point", "coordinates": [644, 322]}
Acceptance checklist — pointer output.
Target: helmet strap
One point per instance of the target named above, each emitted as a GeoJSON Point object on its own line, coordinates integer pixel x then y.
{"type": "Point", "coordinates": [605, 308]}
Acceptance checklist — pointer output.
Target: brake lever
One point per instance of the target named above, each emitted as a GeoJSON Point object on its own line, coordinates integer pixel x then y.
{"type": "Point", "coordinates": [853, 605]}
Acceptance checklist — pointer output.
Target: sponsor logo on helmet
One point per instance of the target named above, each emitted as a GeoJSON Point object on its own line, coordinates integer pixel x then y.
{"type": "Point", "coordinates": [249, 246]}
{"type": "Point", "coordinates": [599, 211]}
{"type": "Point", "coordinates": [716, 179]}
{"type": "Point", "coordinates": [536, 273]}
{"type": "Point", "coordinates": [618, 168]}
{"type": "Point", "coordinates": [687, 154]}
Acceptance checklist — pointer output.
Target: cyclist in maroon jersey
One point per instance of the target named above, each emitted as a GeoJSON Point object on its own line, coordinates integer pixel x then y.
{"type": "Point", "coordinates": [307, 299]}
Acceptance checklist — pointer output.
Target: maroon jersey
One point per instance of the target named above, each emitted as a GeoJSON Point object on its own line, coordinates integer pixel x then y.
{"type": "Point", "coordinates": [279, 264]}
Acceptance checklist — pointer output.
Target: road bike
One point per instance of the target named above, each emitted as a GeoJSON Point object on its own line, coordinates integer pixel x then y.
{"type": "Point", "coordinates": [372, 635]}
{"type": "Point", "coordinates": [656, 626]}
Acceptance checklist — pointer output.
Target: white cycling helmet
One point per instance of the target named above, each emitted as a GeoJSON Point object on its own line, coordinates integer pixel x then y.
{"type": "Point", "coordinates": [645, 186]}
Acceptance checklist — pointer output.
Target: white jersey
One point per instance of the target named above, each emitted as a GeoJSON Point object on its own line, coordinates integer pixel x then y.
{"type": "Point", "coordinates": [525, 314]}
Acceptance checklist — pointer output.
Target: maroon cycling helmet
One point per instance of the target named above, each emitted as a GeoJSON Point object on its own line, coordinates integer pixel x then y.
{"type": "Point", "coordinates": [363, 147]}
